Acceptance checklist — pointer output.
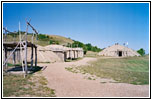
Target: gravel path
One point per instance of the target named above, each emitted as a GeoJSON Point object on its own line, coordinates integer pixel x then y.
{"type": "Point", "coordinates": [68, 84]}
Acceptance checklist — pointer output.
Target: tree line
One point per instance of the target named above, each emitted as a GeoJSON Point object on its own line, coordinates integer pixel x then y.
{"type": "Point", "coordinates": [86, 47]}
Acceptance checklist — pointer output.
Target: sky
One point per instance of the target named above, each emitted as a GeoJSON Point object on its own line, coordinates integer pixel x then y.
{"type": "Point", "coordinates": [101, 24]}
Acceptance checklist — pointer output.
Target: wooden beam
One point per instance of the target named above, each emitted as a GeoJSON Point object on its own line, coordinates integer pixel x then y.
{"type": "Point", "coordinates": [5, 50]}
{"type": "Point", "coordinates": [14, 57]}
{"type": "Point", "coordinates": [35, 56]}
{"type": "Point", "coordinates": [31, 56]}
{"type": "Point", "coordinates": [74, 54]}
{"type": "Point", "coordinates": [78, 53]}
{"type": "Point", "coordinates": [65, 56]}
{"type": "Point", "coordinates": [25, 59]}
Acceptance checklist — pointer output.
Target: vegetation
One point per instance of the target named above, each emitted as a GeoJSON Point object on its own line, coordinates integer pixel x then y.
{"type": "Point", "coordinates": [16, 85]}
{"type": "Point", "coordinates": [43, 37]}
{"type": "Point", "coordinates": [133, 70]}
{"type": "Point", "coordinates": [91, 54]}
{"type": "Point", "coordinates": [141, 52]}
{"type": "Point", "coordinates": [54, 42]}
{"type": "Point", "coordinates": [86, 47]}
{"type": "Point", "coordinates": [44, 40]}
{"type": "Point", "coordinates": [92, 48]}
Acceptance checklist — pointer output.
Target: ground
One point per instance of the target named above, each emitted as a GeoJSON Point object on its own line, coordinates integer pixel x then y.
{"type": "Point", "coordinates": [85, 77]}
{"type": "Point", "coordinates": [68, 84]}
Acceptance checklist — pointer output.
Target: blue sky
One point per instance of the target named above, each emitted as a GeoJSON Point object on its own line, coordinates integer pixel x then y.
{"type": "Point", "coordinates": [101, 24]}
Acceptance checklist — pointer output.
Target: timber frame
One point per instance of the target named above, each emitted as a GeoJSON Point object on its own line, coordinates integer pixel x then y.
{"type": "Point", "coordinates": [19, 49]}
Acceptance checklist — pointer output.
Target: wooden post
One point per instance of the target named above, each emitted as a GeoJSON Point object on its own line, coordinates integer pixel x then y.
{"type": "Point", "coordinates": [32, 56]}
{"type": "Point", "coordinates": [19, 56]}
{"type": "Point", "coordinates": [5, 50]}
{"type": "Point", "coordinates": [35, 56]}
{"type": "Point", "coordinates": [69, 54]}
{"type": "Point", "coordinates": [14, 57]}
{"type": "Point", "coordinates": [74, 53]}
{"type": "Point", "coordinates": [65, 54]}
{"type": "Point", "coordinates": [25, 58]}
{"type": "Point", "coordinates": [77, 53]}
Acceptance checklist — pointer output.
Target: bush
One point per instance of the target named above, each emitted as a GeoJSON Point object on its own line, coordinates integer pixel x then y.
{"type": "Point", "coordinates": [43, 37]}
{"type": "Point", "coordinates": [141, 52]}
{"type": "Point", "coordinates": [54, 42]}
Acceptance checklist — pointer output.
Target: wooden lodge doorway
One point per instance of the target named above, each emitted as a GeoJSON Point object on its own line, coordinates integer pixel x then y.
{"type": "Point", "coordinates": [120, 53]}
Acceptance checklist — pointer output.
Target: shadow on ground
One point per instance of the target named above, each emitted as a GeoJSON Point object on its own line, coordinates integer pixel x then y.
{"type": "Point", "coordinates": [31, 70]}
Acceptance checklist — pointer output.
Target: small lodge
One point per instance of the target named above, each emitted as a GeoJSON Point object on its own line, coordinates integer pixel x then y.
{"type": "Point", "coordinates": [65, 53]}
{"type": "Point", "coordinates": [118, 50]}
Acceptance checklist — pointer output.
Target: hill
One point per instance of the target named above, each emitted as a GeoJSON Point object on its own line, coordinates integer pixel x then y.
{"type": "Point", "coordinates": [44, 40]}
{"type": "Point", "coordinates": [62, 40]}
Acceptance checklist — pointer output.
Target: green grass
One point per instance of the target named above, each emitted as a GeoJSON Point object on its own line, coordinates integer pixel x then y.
{"type": "Point", "coordinates": [43, 42]}
{"type": "Point", "coordinates": [10, 64]}
{"type": "Point", "coordinates": [16, 85]}
{"type": "Point", "coordinates": [91, 54]}
{"type": "Point", "coordinates": [133, 70]}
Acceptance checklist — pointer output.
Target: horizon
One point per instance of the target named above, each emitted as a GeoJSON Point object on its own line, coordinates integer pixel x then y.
{"type": "Point", "coordinates": [101, 24]}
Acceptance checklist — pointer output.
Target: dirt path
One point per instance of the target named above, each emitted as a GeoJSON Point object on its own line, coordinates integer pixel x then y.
{"type": "Point", "coordinates": [68, 84]}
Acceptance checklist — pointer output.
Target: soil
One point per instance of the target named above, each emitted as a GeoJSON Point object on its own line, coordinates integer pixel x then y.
{"type": "Point", "coordinates": [68, 84]}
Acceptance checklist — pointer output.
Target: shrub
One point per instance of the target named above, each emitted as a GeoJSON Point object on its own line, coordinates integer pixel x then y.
{"type": "Point", "coordinates": [54, 42]}
{"type": "Point", "coordinates": [43, 37]}
{"type": "Point", "coordinates": [141, 52]}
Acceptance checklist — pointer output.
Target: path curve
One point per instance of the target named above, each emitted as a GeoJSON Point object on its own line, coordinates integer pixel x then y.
{"type": "Point", "coordinates": [68, 84]}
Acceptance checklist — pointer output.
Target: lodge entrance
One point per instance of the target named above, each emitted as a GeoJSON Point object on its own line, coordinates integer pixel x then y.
{"type": "Point", "coordinates": [120, 53]}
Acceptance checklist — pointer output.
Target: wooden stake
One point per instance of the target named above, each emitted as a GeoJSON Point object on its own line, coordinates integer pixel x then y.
{"type": "Point", "coordinates": [25, 48]}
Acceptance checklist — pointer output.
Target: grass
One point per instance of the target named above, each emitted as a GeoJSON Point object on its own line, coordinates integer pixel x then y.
{"type": "Point", "coordinates": [10, 64]}
{"type": "Point", "coordinates": [62, 40]}
{"type": "Point", "coordinates": [133, 70]}
{"type": "Point", "coordinates": [91, 54]}
{"type": "Point", "coordinates": [44, 62]}
{"type": "Point", "coordinates": [16, 85]}
{"type": "Point", "coordinates": [72, 69]}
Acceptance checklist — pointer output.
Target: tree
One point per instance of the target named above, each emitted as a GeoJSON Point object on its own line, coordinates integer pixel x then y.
{"type": "Point", "coordinates": [89, 46]}
{"type": "Point", "coordinates": [141, 52]}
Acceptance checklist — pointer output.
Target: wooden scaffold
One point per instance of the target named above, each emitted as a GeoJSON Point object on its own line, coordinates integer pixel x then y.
{"type": "Point", "coordinates": [20, 47]}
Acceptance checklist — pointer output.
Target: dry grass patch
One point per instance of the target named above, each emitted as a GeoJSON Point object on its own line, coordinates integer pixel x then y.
{"type": "Point", "coordinates": [133, 70]}
{"type": "Point", "coordinates": [91, 54]}
{"type": "Point", "coordinates": [31, 86]}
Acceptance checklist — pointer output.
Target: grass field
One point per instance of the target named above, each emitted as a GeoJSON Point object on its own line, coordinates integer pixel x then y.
{"type": "Point", "coordinates": [133, 70]}
{"type": "Point", "coordinates": [62, 40]}
{"type": "Point", "coordinates": [91, 54]}
{"type": "Point", "coordinates": [17, 86]}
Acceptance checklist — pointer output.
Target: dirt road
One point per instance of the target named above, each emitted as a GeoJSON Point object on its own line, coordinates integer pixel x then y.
{"type": "Point", "coordinates": [68, 84]}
